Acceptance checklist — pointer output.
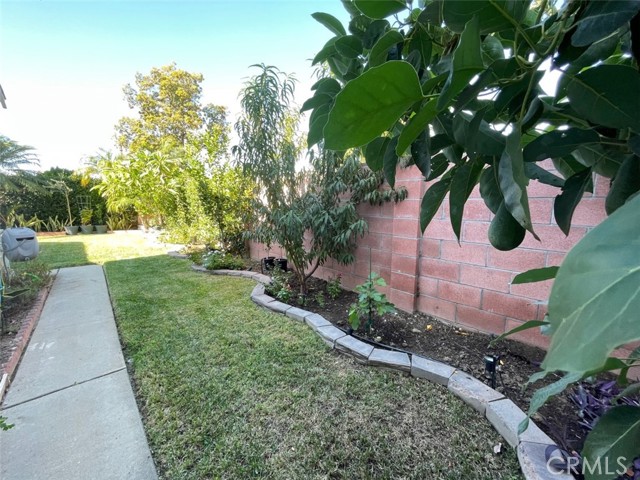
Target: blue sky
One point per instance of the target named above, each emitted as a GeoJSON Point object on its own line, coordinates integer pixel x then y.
{"type": "Point", "coordinates": [63, 63]}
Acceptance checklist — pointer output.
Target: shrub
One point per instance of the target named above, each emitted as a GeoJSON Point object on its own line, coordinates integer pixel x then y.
{"type": "Point", "coordinates": [217, 260]}
{"type": "Point", "coordinates": [27, 278]}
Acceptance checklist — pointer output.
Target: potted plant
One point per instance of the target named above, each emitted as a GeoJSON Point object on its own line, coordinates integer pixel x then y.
{"type": "Point", "coordinates": [61, 186]}
{"type": "Point", "coordinates": [86, 215]}
{"type": "Point", "coordinates": [101, 226]}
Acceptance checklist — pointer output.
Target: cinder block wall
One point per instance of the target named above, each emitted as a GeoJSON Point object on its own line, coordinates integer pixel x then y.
{"type": "Point", "coordinates": [467, 283]}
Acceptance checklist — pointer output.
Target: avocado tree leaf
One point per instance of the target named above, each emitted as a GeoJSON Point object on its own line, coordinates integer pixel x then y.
{"type": "Point", "coordinates": [595, 299]}
{"type": "Point", "coordinates": [380, 9]}
{"type": "Point", "coordinates": [374, 153]}
{"type": "Point", "coordinates": [490, 189]}
{"type": "Point", "coordinates": [467, 62]}
{"type": "Point", "coordinates": [600, 19]}
{"type": "Point", "coordinates": [317, 122]}
{"type": "Point", "coordinates": [558, 143]}
{"type": "Point", "coordinates": [615, 437]}
{"type": "Point", "coordinates": [416, 124]}
{"type": "Point", "coordinates": [566, 203]}
{"type": "Point", "coordinates": [326, 52]}
{"type": "Point", "coordinates": [494, 15]}
{"type": "Point", "coordinates": [594, 95]}
{"type": "Point", "coordinates": [370, 104]}
{"type": "Point", "coordinates": [331, 22]}
{"type": "Point", "coordinates": [624, 185]}
{"type": "Point", "coordinates": [432, 200]}
{"type": "Point", "coordinates": [534, 172]}
{"type": "Point", "coordinates": [535, 275]}
{"type": "Point", "coordinates": [380, 50]}
{"type": "Point", "coordinates": [464, 180]}
{"type": "Point", "coordinates": [513, 182]}
{"type": "Point", "coordinates": [421, 42]}
{"type": "Point", "coordinates": [328, 86]}
{"type": "Point", "coordinates": [540, 396]}
{"type": "Point", "coordinates": [390, 162]}
{"type": "Point", "coordinates": [349, 46]}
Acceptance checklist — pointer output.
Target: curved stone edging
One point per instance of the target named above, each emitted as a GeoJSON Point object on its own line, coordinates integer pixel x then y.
{"type": "Point", "coordinates": [502, 413]}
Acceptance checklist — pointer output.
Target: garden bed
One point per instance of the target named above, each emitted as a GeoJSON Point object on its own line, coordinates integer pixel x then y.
{"type": "Point", "coordinates": [464, 349]}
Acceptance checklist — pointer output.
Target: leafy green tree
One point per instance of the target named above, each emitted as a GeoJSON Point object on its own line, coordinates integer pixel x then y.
{"type": "Point", "coordinates": [167, 101]}
{"type": "Point", "coordinates": [15, 161]}
{"type": "Point", "coordinates": [455, 87]}
{"type": "Point", "coordinates": [311, 213]}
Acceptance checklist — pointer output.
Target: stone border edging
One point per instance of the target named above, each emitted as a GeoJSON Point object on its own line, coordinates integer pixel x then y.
{"type": "Point", "coordinates": [502, 413]}
{"type": "Point", "coordinates": [23, 335]}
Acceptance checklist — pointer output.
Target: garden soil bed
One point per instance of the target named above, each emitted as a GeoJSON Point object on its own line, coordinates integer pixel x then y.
{"type": "Point", "coordinates": [423, 335]}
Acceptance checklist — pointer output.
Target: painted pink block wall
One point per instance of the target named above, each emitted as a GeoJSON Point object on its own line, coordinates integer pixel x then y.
{"type": "Point", "coordinates": [467, 283]}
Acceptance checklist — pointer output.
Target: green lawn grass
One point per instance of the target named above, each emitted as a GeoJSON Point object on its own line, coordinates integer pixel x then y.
{"type": "Point", "coordinates": [71, 251]}
{"type": "Point", "coordinates": [229, 390]}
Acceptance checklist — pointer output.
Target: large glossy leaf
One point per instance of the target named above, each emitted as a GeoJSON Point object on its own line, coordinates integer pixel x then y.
{"type": "Point", "coordinates": [625, 184]}
{"type": "Point", "coordinates": [416, 124]}
{"type": "Point", "coordinates": [317, 122]}
{"type": "Point", "coordinates": [420, 153]}
{"type": "Point", "coordinates": [432, 200]}
{"type": "Point", "coordinates": [327, 51]}
{"type": "Point", "coordinates": [380, 50]}
{"type": "Point", "coordinates": [513, 181]}
{"type": "Point", "coordinates": [490, 189]}
{"type": "Point", "coordinates": [369, 105]}
{"type": "Point", "coordinates": [374, 153]}
{"type": "Point", "coordinates": [467, 62]}
{"type": "Point", "coordinates": [494, 15]}
{"type": "Point", "coordinates": [601, 18]}
{"type": "Point", "coordinates": [613, 440]}
{"type": "Point", "coordinates": [535, 172]}
{"type": "Point", "coordinates": [380, 8]}
{"type": "Point", "coordinates": [464, 180]}
{"type": "Point", "coordinates": [566, 203]}
{"type": "Point", "coordinates": [421, 43]}
{"type": "Point", "coordinates": [543, 394]}
{"type": "Point", "coordinates": [329, 86]}
{"type": "Point", "coordinates": [329, 21]}
{"type": "Point", "coordinates": [558, 143]}
{"type": "Point", "coordinates": [607, 95]}
{"type": "Point", "coordinates": [390, 162]}
{"type": "Point", "coordinates": [349, 46]}
{"type": "Point", "coordinates": [595, 299]}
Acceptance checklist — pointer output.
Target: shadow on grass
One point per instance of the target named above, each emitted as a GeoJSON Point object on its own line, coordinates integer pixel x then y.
{"type": "Point", "coordinates": [60, 254]}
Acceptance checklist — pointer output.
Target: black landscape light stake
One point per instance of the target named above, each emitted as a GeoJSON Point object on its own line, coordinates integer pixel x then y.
{"type": "Point", "coordinates": [493, 367]}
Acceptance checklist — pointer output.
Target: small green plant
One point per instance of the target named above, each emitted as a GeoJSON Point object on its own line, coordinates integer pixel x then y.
{"type": "Point", "coordinates": [218, 260]}
{"type": "Point", "coordinates": [99, 214]}
{"type": "Point", "coordinates": [370, 302]}
{"type": "Point", "coordinates": [279, 286]}
{"type": "Point", "coordinates": [334, 287]}
{"type": "Point", "coordinates": [320, 300]}
{"type": "Point", "coordinates": [302, 300]}
{"type": "Point", "coordinates": [86, 214]}
{"type": "Point", "coordinates": [54, 224]}
{"type": "Point", "coordinates": [4, 425]}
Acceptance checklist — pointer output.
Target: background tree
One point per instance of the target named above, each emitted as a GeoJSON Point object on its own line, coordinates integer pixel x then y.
{"type": "Point", "coordinates": [169, 110]}
{"type": "Point", "coordinates": [455, 86]}
{"type": "Point", "coordinates": [15, 161]}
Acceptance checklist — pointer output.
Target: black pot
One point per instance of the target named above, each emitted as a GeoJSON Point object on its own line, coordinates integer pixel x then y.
{"type": "Point", "coordinates": [269, 263]}
{"type": "Point", "coordinates": [282, 264]}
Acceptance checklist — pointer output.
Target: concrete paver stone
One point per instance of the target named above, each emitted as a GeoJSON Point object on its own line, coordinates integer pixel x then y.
{"type": "Point", "coordinates": [330, 334]}
{"type": "Point", "coordinates": [472, 391]}
{"type": "Point", "coordinates": [431, 370]}
{"type": "Point", "coordinates": [355, 348]}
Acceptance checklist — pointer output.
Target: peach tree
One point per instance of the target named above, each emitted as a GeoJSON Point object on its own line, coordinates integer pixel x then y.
{"type": "Point", "coordinates": [454, 87]}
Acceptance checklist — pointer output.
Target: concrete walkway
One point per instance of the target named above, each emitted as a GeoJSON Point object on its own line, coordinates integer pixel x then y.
{"type": "Point", "coordinates": [73, 408]}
